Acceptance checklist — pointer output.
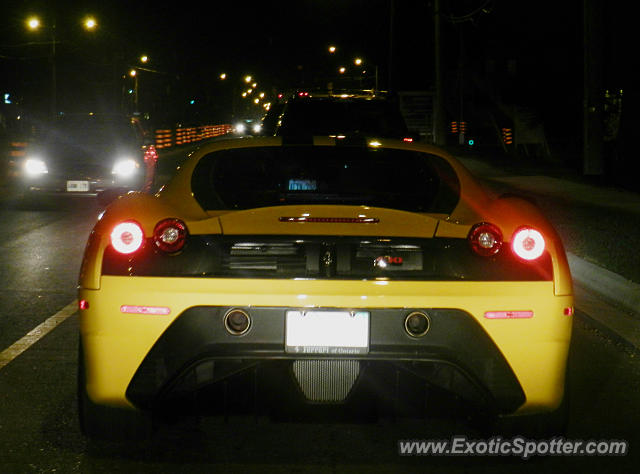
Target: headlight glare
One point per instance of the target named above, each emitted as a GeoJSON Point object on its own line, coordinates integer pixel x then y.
{"type": "Point", "coordinates": [35, 167]}
{"type": "Point", "coordinates": [125, 167]}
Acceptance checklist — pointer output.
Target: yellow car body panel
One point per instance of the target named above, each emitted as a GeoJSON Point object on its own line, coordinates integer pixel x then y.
{"type": "Point", "coordinates": [116, 343]}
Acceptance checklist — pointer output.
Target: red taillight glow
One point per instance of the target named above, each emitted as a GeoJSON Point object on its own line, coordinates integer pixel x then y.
{"type": "Point", "coordinates": [83, 304]}
{"type": "Point", "coordinates": [127, 237]}
{"type": "Point", "coordinates": [508, 314]}
{"type": "Point", "coordinates": [485, 239]}
{"type": "Point", "coordinates": [150, 154]}
{"type": "Point", "coordinates": [527, 243]}
{"type": "Point", "coordinates": [170, 235]}
{"type": "Point", "coordinates": [407, 139]}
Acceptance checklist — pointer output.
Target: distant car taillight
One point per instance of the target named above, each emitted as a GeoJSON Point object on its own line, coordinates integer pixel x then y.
{"type": "Point", "coordinates": [485, 239]}
{"type": "Point", "coordinates": [127, 237]}
{"type": "Point", "coordinates": [170, 235]}
{"type": "Point", "coordinates": [527, 243]}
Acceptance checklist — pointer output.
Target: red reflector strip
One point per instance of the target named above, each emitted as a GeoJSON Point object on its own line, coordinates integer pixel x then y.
{"type": "Point", "coordinates": [508, 314]}
{"type": "Point", "coordinates": [332, 220]}
{"type": "Point", "coordinates": [153, 310]}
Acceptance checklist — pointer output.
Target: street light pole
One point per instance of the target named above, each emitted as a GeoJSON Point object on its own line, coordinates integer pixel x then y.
{"type": "Point", "coordinates": [438, 106]}
{"type": "Point", "coordinates": [54, 76]}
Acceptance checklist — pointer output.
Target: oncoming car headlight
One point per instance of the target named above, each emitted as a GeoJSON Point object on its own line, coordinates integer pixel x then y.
{"type": "Point", "coordinates": [35, 167]}
{"type": "Point", "coordinates": [240, 128]}
{"type": "Point", "coordinates": [125, 167]}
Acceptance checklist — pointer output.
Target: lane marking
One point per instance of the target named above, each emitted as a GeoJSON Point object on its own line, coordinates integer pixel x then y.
{"type": "Point", "coordinates": [36, 334]}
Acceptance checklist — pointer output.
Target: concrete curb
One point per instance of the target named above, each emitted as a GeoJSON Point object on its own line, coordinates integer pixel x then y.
{"type": "Point", "coordinates": [607, 301]}
{"type": "Point", "coordinates": [610, 286]}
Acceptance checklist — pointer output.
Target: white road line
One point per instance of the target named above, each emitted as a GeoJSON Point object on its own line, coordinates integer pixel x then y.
{"type": "Point", "coordinates": [36, 334]}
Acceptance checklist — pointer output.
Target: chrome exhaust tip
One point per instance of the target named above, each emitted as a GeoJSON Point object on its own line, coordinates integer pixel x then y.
{"type": "Point", "coordinates": [417, 324]}
{"type": "Point", "coordinates": [237, 322]}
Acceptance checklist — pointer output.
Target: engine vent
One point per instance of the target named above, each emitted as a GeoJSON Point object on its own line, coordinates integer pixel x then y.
{"type": "Point", "coordinates": [326, 380]}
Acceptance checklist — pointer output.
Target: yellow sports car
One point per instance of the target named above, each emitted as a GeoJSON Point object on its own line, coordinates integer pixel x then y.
{"type": "Point", "coordinates": [277, 274]}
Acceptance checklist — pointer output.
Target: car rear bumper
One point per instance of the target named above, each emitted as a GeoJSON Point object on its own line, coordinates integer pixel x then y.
{"type": "Point", "coordinates": [148, 359]}
{"type": "Point", "coordinates": [78, 185]}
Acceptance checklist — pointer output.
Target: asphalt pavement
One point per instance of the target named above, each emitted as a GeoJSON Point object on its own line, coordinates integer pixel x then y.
{"type": "Point", "coordinates": [608, 298]}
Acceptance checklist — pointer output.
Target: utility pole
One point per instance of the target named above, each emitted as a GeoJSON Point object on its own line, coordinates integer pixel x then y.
{"type": "Point", "coordinates": [593, 98]}
{"type": "Point", "coordinates": [439, 135]}
{"type": "Point", "coordinates": [392, 11]}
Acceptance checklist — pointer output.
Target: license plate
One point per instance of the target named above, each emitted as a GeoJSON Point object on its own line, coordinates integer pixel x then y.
{"type": "Point", "coordinates": [77, 186]}
{"type": "Point", "coordinates": [327, 332]}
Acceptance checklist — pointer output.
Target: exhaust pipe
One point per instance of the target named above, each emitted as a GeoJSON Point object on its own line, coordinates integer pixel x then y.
{"type": "Point", "coordinates": [417, 324]}
{"type": "Point", "coordinates": [237, 322]}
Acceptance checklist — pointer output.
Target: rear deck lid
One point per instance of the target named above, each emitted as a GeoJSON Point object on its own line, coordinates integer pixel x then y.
{"type": "Point", "coordinates": [328, 220]}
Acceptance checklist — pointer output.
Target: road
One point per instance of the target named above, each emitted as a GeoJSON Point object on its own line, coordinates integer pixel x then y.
{"type": "Point", "coordinates": [40, 256]}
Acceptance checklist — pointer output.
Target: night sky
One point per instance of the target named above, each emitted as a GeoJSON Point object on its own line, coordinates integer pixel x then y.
{"type": "Point", "coordinates": [535, 48]}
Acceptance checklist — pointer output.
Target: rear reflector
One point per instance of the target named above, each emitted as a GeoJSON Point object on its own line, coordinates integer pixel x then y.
{"type": "Point", "coordinates": [83, 304]}
{"type": "Point", "coordinates": [508, 314]}
{"type": "Point", "coordinates": [153, 310]}
{"type": "Point", "coordinates": [568, 311]}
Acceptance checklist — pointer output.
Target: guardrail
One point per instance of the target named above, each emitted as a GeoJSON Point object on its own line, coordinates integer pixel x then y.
{"type": "Point", "coordinates": [167, 138]}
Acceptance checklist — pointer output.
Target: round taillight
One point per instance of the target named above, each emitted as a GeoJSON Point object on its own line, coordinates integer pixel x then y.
{"type": "Point", "coordinates": [527, 243]}
{"type": "Point", "coordinates": [485, 239]}
{"type": "Point", "coordinates": [127, 237]}
{"type": "Point", "coordinates": [170, 235]}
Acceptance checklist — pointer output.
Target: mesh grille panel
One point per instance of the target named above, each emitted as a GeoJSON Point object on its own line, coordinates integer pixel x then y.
{"type": "Point", "coordinates": [326, 380]}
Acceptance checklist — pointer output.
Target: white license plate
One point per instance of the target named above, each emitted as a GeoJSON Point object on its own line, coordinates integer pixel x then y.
{"type": "Point", "coordinates": [77, 186]}
{"type": "Point", "coordinates": [327, 332]}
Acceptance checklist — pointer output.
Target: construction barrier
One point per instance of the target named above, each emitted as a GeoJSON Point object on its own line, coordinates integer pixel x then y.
{"type": "Point", "coordinates": [167, 138]}
{"type": "Point", "coordinates": [457, 127]}
{"type": "Point", "coordinates": [507, 136]}
{"type": "Point", "coordinates": [17, 149]}
{"type": "Point", "coordinates": [164, 138]}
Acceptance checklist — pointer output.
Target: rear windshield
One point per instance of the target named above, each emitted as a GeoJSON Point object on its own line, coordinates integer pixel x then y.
{"type": "Point", "coordinates": [247, 178]}
{"type": "Point", "coordinates": [374, 118]}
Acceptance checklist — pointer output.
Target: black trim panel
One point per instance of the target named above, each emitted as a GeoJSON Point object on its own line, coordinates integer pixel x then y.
{"type": "Point", "coordinates": [456, 354]}
{"type": "Point", "coordinates": [326, 257]}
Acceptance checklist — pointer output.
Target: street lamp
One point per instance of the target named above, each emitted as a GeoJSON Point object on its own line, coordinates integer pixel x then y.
{"type": "Point", "coordinates": [34, 24]}
{"type": "Point", "coordinates": [90, 23]}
